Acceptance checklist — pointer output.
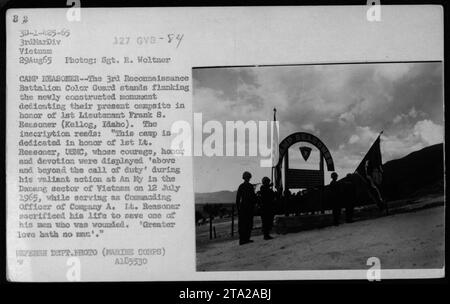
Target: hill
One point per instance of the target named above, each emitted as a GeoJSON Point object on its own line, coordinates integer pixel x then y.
{"type": "Point", "coordinates": [219, 197]}
{"type": "Point", "coordinates": [417, 174]}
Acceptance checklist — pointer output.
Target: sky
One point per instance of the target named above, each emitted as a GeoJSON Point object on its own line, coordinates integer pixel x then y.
{"type": "Point", "coordinates": [345, 105]}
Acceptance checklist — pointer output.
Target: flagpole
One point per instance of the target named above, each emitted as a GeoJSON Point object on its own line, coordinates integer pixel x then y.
{"type": "Point", "coordinates": [274, 119]}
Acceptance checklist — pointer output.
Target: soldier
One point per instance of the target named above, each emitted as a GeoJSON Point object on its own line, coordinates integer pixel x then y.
{"type": "Point", "coordinates": [267, 208]}
{"type": "Point", "coordinates": [334, 194]}
{"type": "Point", "coordinates": [245, 202]}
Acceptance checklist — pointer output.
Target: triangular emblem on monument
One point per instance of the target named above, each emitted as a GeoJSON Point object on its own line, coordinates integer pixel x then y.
{"type": "Point", "coordinates": [306, 152]}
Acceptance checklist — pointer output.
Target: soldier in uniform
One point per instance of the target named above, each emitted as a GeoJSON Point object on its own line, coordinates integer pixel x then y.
{"type": "Point", "coordinates": [334, 194]}
{"type": "Point", "coordinates": [245, 203]}
{"type": "Point", "coordinates": [267, 207]}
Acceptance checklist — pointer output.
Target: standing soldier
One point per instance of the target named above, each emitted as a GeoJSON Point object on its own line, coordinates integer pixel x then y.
{"type": "Point", "coordinates": [334, 194]}
{"type": "Point", "coordinates": [245, 202]}
{"type": "Point", "coordinates": [267, 208]}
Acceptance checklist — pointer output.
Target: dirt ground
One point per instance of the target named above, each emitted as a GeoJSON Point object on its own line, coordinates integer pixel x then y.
{"type": "Point", "coordinates": [410, 240]}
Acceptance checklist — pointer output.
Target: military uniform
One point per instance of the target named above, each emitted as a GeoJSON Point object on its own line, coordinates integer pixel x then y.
{"type": "Point", "coordinates": [335, 196]}
{"type": "Point", "coordinates": [245, 202]}
{"type": "Point", "coordinates": [267, 209]}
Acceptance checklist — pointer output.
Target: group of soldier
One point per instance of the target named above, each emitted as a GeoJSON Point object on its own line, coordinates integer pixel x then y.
{"type": "Point", "coordinates": [246, 201]}
{"type": "Point", "coordinates": [342, 195]}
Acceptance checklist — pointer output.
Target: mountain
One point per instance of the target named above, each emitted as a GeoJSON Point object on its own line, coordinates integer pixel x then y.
{"type": "Point", "coordinates": [220, 197]}
{"type": "Point", "coordinates": [419, 173]}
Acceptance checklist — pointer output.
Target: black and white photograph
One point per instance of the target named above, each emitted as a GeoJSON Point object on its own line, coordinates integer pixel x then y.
{"type": "Point", "coordinates": [356, 175]}
{"type": "Point", "coordinates": [224, 144]}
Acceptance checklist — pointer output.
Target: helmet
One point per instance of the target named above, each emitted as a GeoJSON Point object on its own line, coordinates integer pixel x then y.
{"type": "Point", "coordinates": [334, 175]}
{"type": "Point", "coordinates": [246, 175]}
{"type": "Point", "coordinates": [265, 180]}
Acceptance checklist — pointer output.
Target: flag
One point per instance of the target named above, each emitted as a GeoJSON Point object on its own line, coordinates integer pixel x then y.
{"type": "Point", "coordinates": [276, 168]}
{"type": "Point", "coordinates": [371, 167]}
